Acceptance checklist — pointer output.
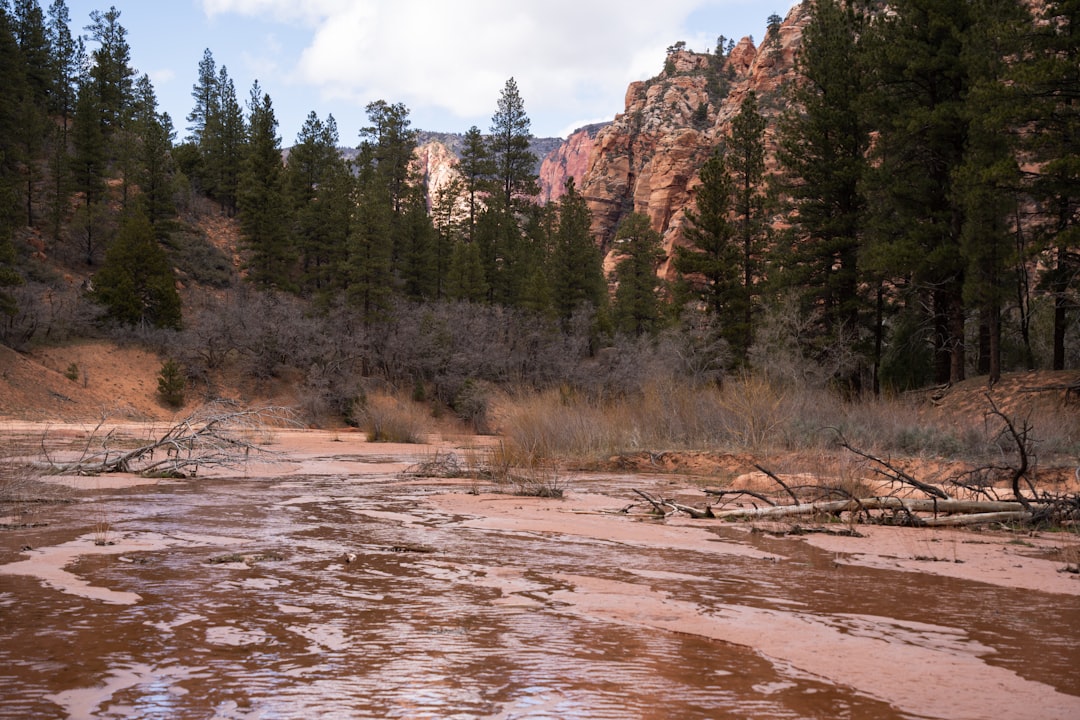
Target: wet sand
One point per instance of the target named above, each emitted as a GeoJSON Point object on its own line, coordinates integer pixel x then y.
{"type": "Point", "coordinates": [327, 583]}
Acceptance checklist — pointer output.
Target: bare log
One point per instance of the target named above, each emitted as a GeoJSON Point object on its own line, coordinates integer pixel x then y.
{"type": "Point", "coordinates": [976, 519]}
{"type": "Point", "coordinates": [909, 505]}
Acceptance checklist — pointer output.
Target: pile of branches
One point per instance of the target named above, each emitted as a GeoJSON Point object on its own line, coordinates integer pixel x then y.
{"type": "Point", "coordinates": [214, 436]}
{"type": "Point", "coordinates": [967, 499]}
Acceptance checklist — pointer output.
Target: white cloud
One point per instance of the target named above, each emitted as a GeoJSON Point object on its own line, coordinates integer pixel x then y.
{"type": "Point", "coordinates": [571, 58]}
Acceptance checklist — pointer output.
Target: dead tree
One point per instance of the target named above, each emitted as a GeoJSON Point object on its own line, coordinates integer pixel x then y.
{"type": "Point", "coordinates": [212, 437]}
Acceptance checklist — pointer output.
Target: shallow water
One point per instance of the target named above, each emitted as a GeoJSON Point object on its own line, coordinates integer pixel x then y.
{"type": "Point", "coordinates": [232, 598]}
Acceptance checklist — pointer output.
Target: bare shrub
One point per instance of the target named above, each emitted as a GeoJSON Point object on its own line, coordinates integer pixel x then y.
{"type": "Point", "coordinates": [387, 418]}
{"type": "Point", "coordinates": [757, 411]}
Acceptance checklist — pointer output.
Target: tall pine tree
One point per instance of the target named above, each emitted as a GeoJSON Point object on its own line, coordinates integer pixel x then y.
{"type": "Point", "coordinates": [263, 218]}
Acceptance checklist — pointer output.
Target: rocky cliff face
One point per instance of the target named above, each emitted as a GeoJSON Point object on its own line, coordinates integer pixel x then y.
{"type": "Point", "coordinates": [647, 160]}
{"type": "Point", "coordinates": [569, 160]}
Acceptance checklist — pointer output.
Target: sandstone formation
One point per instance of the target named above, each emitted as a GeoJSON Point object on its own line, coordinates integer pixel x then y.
{"type": "Point", "coordinates": [647, 160]}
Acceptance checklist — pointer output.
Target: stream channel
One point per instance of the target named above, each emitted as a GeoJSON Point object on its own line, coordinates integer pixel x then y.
{"type": "Point", "coordinates": [337, 588]}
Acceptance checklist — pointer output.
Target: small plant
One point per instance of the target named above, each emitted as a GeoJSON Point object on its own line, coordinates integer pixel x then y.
{"type": "Point", "coordinates": [72, 372]}
{"type": "Point", "coordinates": [171, 383]}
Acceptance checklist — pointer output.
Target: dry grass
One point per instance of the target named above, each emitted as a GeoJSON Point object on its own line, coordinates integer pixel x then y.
{"type": "Point", "coordinates": [387, 418]}
{"type": "Point", "coordinates": [751, 414]}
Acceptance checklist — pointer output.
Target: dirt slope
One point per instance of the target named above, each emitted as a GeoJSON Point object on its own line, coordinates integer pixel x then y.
{"type": "Point", "coordinates": [118, 381]}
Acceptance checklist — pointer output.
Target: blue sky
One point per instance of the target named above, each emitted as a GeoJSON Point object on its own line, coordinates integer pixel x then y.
{"type": "Point", "coordinates": [446, 60]}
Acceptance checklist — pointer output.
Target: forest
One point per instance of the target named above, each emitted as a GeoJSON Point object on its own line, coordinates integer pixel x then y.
{"type": "Point", "coordinates": [911, 218]}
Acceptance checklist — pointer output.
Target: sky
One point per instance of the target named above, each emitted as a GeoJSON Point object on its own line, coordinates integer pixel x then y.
{"type": "Point", "coordinates": [446, 60]}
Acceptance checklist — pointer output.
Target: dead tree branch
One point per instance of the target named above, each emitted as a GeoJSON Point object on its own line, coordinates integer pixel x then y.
{"type": "Point", "coordinates": [778, 482]}
{"type": "Point", "coordinates": [887, 469]}
{"type": "Point", "coordinates": [207, 438]}
{"type": "Point", "coordinates": [1022, 441]}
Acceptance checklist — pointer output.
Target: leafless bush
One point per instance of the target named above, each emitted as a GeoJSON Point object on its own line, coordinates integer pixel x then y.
{"type": "Point", "coordinates": [386, 418]}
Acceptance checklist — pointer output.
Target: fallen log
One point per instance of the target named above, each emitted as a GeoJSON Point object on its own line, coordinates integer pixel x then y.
{"type": "Point", "coordinates": [910, 505]}
{"type": "Point", "coordinates": [975, 519]}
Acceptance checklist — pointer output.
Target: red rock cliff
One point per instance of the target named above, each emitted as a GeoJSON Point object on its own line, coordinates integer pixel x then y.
{"type": "Point", "coordinates": [647, 160]}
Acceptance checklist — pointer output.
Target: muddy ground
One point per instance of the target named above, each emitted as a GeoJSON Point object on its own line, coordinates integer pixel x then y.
{"type": "Point", "coordinates": [326, 582]}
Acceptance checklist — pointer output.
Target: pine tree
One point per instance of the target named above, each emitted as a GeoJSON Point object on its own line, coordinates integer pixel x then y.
{"type": "Point", "coordinates": [136, 284]}
{"type": "Point", "coordinates": [476, 168]}
{"type": "Point", "coordinates": [388, 145]}
{"type": "Point", "coordinates": [206, 94]}
{"type": "Point", "coordinates": [509, 145]}
{"type": "Point", "coordinates": [369, 266]}
{"type": "Point", "coordinates": [31, 132]}
{"type": "Point", "coordinates": [448, 222]}
{"type": "Point", "coordinates": [12, 85]}
{"type": "Point", "coordinates": [111, 71]}
{"type": "Point", "coordinates": [922, 78]}
{"type": "Point", "coordinates": [68, 57]}
{"type": "Point", "coordinates": [1048, 94]}
{"type": "Point", "coordinates": [823, 142]}
{"type": "Point", "coordinates": [712, 261]}
{"type": "Point", "coordinates": [154, 134]}
{"type": "Point", "coordinates": [577, 276]}
{"type": "Point", "coordinates": [318, 186]}
{"type": "Point", "coordinates": [465, 275]}
{"type": "Point", "coordinates": [988, 180]}
{"type": "Point", "coordinates": [637, 308]}
{"type": "Point", "coordinates": [261, 199]}
{"type": "Point", "coordinates": [224, 145]}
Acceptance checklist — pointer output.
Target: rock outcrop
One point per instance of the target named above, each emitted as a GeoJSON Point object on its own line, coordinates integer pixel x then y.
{"type": "Point", "coordinates": [647, 160]}
{"type": "Point", "coordinates": [569, 160]}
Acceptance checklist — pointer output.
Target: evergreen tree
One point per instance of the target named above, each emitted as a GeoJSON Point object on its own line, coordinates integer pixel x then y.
{"type": "Point", "coordinates": [261, 199]}
{"type": "Point", "coordinates": [465, 275]}
{"type": "Point", "coordinates": [370, 247]}
{"type": "Point", "coordinates": [66, 61]}
{"type": "Point", "coordinates": [318, 186]}
{"type": "Point", "coordinates": [923, 78]}
{"type": "Point", "coordinates": [31, 132]}
{"type": "Point", "coordinates": [476, 168]}
{"type": "Point", "coordinates": [30, 29]}
{"type": "Point", "coordinates": [206, 94]}
{"type": "Point", "coordinates": [223, 146]}
{"type": "Point", "coordinates": [136, 284]}
{"type": "Point", "coordinates": [510, 138]}
{"type": "Point", "coordinates": [823, 142]}
{"type": "Point", "coordinates": [88, 165]}
{"type": "Point", "coordinates": [577, 275]}
{"type": "Point", "coordinates": [12, 85]}
{"type": "Point", "coordinates": [499, 241]}
{"type": "Point", "coordinates": [712, 261]}
{"type": "Point", "coordinates": [68, 56]}
{"type": "Point", "coordinates": [153, 131]}
{"type": "Point", "coordinates": [388, 145]}
{"type": "Point", "coordinates": [448, 222]}
{"type": "Point", "coordinates": [988, 180]}
{"type": "Point", "coordinates": [1048, 94]}
{"type": "Point", "coordinates": [417, 239]}
{"type": "Point", "coordinates": [637, 309]}
{"type": "Point", "coordinates": [747, 166]}
{"type": "Point", "coordinates": [111, 72]}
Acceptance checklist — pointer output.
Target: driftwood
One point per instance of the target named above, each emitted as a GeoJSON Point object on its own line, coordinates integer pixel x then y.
{"type": "Point", "coordinates": [907, 505]}
{"type": "Point", "coordinates": [208, 438]}
{"type": "Point", "coordinates": [660, 507]}
{"type": "Point", "coordinates": [935, 507]}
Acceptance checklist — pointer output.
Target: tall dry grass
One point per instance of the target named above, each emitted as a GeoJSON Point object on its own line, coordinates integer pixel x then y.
{"type": "Point", "coordinates": [388, 418]}
{"type": "Point", "coordinates": [750, 413]}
